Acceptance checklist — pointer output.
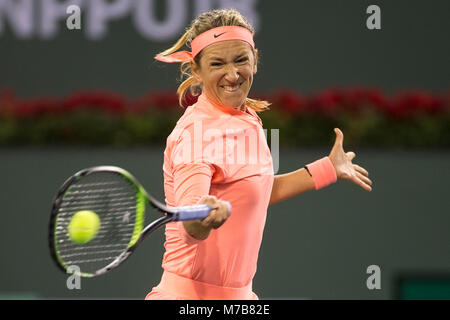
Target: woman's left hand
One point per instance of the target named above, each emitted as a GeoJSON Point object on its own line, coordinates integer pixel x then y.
{"type": "Point", "coordinates": [345, 169]}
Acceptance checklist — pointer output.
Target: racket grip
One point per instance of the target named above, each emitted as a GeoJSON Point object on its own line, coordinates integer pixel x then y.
{"type": "Point", "coordinates": [196, 212]}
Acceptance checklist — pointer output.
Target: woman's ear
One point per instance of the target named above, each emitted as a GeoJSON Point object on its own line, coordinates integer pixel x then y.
{"type": "Point", "coordinates": [195, 71]}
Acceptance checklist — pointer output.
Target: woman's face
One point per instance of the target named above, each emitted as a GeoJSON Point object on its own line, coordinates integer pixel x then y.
{"type": "Point", "coordinates": [226, 72]}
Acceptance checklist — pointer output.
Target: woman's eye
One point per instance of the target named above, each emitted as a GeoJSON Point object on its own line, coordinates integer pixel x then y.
{"type": "Point", "coordinates": [219, 64]}
{"type": "Point", "coordinates": [241, 60]}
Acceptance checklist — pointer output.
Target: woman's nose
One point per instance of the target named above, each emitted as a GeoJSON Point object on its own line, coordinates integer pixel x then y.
{"type": "Point", "coordinates": [231, 74]}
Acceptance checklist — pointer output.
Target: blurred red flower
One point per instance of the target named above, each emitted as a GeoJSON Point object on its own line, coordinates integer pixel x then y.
{"type": "Point", "coordinates": [326, 102]}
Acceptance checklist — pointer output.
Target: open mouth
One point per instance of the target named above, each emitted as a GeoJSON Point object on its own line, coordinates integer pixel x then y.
{"type": "Point", "coordinates": [233, 88]}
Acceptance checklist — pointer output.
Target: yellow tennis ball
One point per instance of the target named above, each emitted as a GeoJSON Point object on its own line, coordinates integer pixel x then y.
{"type": "Point", "coordinates": [84, 226]}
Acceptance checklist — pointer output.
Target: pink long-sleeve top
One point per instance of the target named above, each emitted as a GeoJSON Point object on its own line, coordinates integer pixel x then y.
{"type": "Point", "coordinates": [220, 151]}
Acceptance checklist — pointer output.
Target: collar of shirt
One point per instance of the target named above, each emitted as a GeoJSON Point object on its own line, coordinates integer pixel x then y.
{"type": "Point", "coordinates": [204, 102]}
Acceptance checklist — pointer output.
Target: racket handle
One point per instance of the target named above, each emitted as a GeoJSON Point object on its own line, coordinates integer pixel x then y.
{"type": "Point", "coordinates": [196, 212]}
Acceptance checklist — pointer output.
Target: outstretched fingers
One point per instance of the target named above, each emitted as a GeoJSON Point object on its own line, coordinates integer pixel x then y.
{"type": "Point", "coordinates": [363, 181]}
{"type": "Point", "coordinates": [361, 170]}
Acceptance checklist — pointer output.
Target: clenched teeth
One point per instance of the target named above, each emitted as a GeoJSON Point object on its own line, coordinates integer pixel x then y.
{"type": "Point", "coordinates": [231, 88]}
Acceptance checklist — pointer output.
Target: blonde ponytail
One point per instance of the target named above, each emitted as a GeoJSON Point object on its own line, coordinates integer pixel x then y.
{"type": "Point", "coordinates": [181, 42]}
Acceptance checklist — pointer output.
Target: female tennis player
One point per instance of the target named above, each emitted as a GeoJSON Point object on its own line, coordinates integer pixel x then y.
{"type": "Point", "coordinates": [218, 151]}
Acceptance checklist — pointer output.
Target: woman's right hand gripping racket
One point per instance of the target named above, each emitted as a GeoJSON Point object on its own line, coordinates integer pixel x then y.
{"type": "Point", "coordinates": [98, 219]}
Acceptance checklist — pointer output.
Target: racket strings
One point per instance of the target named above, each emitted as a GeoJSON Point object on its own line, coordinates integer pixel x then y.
{"type": "Point", "coordinates": [113, 199]}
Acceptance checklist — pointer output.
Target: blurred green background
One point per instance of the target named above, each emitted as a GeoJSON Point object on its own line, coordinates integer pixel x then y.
{"type": "Point", "coordinates": [315, 246]}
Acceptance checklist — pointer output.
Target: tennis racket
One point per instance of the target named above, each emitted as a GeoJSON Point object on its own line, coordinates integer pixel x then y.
{"type": "Point", "coordinates": [119, 201]}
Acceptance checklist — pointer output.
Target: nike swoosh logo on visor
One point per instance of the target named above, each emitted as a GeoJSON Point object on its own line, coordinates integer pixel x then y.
{"type": "Point", "coordinates": [218, 35]}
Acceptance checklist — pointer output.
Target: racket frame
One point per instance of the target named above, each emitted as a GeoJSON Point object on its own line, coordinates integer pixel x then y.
{"type": "Point", "coordinates": [169, 215]}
